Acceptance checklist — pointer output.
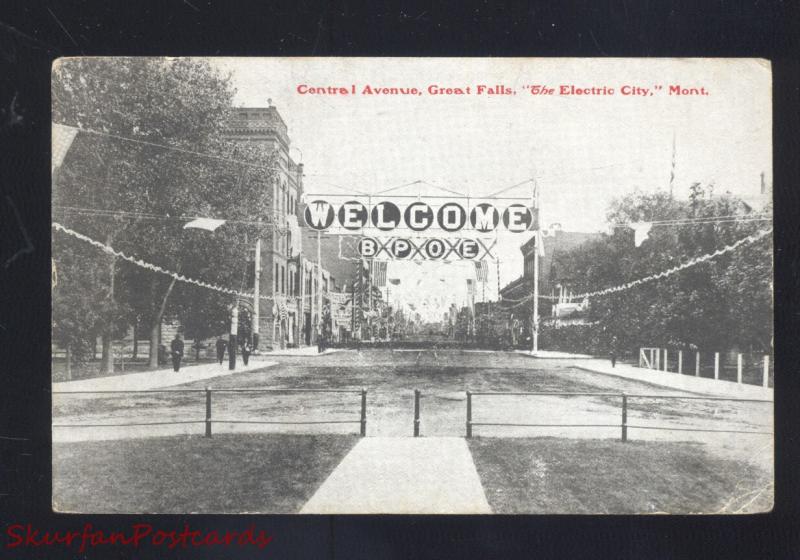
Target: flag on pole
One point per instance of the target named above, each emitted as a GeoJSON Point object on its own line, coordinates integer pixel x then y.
{"type": "Point", "coordinates": [378, 271]}
{"type": "Point", "coordinates": [540, 243]}
{"type": "Point", "coordinates": [208, 224]}
{"type": "Point", "coordinates": [641, 231]}
{"type": "Point", "coordinates": [482, 271]}
{"type": "Point", "coordinates": [62, 137]}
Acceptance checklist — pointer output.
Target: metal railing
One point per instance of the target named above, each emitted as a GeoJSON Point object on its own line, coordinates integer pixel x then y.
{"type": "Point", "coordinates": [623, 425]}
{"type": "Point", "coordinates": [209, 420]}
{"type": "Point", "coordinates": [659, 359]}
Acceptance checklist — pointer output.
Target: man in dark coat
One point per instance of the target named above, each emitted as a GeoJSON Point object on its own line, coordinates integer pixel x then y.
{"type": "Point", "coordinates": [612, 352]}
{"type": "Point", "coordinates": [245, 352]}
{"type": "Point", "coordinates": [177, 352]}
{"type": "Point", "coordinates": [221, 344]}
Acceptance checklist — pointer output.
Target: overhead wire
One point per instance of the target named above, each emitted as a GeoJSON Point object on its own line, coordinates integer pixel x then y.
{"type": "Point", "coordinates": [663, 274]}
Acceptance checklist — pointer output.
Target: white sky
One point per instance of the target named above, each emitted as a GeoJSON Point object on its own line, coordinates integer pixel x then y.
{"type": "Point", "coordinates": [583, 151]}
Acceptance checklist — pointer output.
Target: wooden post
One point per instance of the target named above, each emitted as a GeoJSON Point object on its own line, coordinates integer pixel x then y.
{"type": "Point", "coordinates": [624, 418]}
{"type": "Point", "coordinates": [469, 414]}
{"type": "Point", "coordinates": [658, 359]}
{"type": "Point", "coordinates": [680, 361]}
{"type": "Point", "coordinates": [208, 412]}
{"type": "Point", "coordinates": [416, 412]}
{"type": "Point", "coordinates": [666, 359]}
{"type": "Point", "coordinates": [739, 369]}
{"type": "Point", "coordinates": [697, 364]}
{"type": "Point", "coordinates": [363, 412]}
{"type": "Point", "coordinates": [716, 365]}
{"type": "Point", "coordinates": [766, 370]}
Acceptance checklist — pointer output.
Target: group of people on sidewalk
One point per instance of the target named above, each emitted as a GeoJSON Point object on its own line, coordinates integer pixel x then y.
{"type": "Point", "coordinates": [177, 347]}
{"type": "Point", "coordinates": [222, 346]}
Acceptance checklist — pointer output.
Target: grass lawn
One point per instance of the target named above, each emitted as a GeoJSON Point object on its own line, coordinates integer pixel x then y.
{"type": "Point", "coordinates": [554, 475]}
{"type": "Point", "coordinates": [229, 473]}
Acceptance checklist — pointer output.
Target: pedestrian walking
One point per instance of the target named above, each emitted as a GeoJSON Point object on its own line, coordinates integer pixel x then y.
{"type": "Point", "coordinates": [221, 345]}
{"type": "Point", "coordinates": [245, 352]}
{"type": "Point", "coordinates": [177, 352]}
{"type": "Point", "coordinates": [612, 353]}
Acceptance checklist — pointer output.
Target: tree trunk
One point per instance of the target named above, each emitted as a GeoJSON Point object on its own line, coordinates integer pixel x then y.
{"type": "Point", "coordinates": [154, 332]}
{"type": "Point", "coordinates": [107, 359]}
{"type": "Point", "coordinates": [135, 339]}
{"type": "Point", "coordinates": [68, 358]}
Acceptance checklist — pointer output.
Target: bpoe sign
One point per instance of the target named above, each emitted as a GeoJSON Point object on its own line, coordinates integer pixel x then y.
{"type": "Point", "coordinates": [354, 215]}
{"type": "Point", "coordinates": [432, 248]}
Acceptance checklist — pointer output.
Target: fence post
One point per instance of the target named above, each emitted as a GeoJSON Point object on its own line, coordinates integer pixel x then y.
{"type": "Point", "coordinates": [363, 412]}
{"type": "Point", "coordinates": [658, 359]}
{"type": "Point", "coordinates": [469, 414]}
{"type": "Point", "coordinates": [680, 361]}
{"type": "Point", "coordinates": [666, 359]}
{"type": "Point", "coordinates": [739, 368]}
{"type": "Point", "coordinates": [624, 417]}
{"type": "Point", "coordinates": [766, 370]}
{"type": "Point", "coordinates": [697, 364]}
{"type": "Point", "coordinates": [416, 412]}
{"type": "Point", "coordinates": [208, 412]}
{"type": "Point", "coordinates": [716, 365]}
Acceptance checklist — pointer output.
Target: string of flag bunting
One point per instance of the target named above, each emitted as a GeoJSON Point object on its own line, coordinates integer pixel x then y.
{"type": "Point", "coordinates": [155, 268]}
{"type": "Point", "coordinates": [664, 274]}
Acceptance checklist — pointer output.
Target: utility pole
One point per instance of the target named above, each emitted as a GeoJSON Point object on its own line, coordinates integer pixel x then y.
{"type": "Point", "coordinates": [672, 168]}
{"type": "Point", "coordinates": [256, 293]}
{"type": "Point", "coordinates": [353, 312]}
{"type": "Point", "coordinates": [319, 285]}
{"type": "Point", "coordinates": [537, 240]}
{"type": "Point", "coordinates": [232, 338]}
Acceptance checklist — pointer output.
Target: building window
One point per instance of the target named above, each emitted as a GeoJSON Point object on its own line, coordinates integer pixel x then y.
{"type": "Point", "coordinates": [283, 280]}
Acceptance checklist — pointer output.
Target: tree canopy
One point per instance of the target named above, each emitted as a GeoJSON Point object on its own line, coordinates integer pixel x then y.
{"type": "Point", "coordinates": [152, 154]}
{"type": "Point", "coordinates": [722, 304]}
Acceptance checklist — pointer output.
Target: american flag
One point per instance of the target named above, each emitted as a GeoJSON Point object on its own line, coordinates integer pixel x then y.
{"type": "Point", "coordinates": [378, 272]}
{"type": "Point", "coordinates": [281, 305]}
{"type": "Point", "coordinates": [482, 271]}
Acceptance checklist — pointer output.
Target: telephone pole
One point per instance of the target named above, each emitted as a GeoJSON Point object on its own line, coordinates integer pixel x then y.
{"type": "Point", "coordinates": [234, 332]}
{"type": "Point", "coordinates": [256, 293]}
{"type": "Point", "coordinates": [319, 285]}
{"type": "Point", "coordinates": [537, 248]}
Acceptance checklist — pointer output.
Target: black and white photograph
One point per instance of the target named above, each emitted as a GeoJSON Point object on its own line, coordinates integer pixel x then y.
{"type": "Point", "coordinates": [412, 286]}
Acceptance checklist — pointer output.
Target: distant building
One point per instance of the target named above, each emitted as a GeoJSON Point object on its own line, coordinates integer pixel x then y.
{"type": "Point", "coordinates": [288, 273]}
{"type": "Point", "coordinates": [551, 280]}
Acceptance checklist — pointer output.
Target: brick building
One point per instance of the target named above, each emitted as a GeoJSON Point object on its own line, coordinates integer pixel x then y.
{"type": "Point", "coordinates": [551, 281]}
{"type": "Point", "coordinates": [288, 273]}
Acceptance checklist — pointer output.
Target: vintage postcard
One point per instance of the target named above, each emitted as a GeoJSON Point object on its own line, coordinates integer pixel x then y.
{"type": "Point", "coordinates": [409, 285]}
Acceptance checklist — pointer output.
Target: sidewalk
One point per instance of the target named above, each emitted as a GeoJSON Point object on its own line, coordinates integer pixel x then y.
{"type": "Point", "coordinates": [689, 383]}
{"type": "Point", "coordinates": [551, 355]}
{"type": "Point", "coordinates": [157, 379]}
{"type": "Point", "coordinates": [302, 351]}
{"type": "Point", "coordinates": [403, 475]}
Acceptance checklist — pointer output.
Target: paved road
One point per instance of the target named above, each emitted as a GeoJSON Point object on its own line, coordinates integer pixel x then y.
{"type": "Point", "coordinates": [442, 376]}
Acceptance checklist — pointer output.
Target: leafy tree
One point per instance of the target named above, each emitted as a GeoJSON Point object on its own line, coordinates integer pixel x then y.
{"type": "Point", "coordinates": [183, 104]}
{"type": "Point", "coordinates": [720, 304]}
